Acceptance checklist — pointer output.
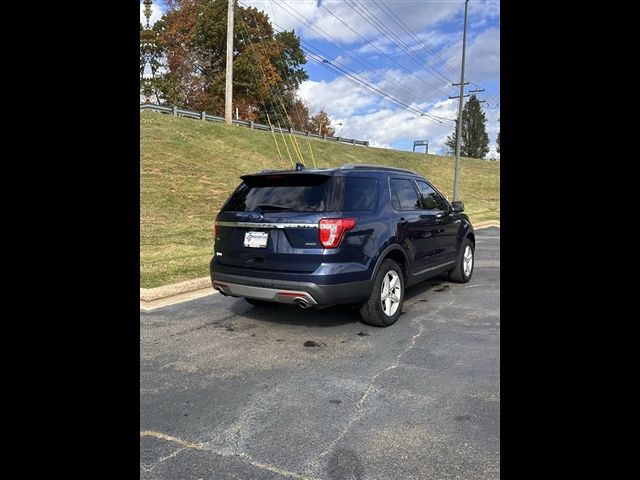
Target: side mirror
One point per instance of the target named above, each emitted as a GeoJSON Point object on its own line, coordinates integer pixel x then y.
{"type": "Point", "coordinates": [457, 207]}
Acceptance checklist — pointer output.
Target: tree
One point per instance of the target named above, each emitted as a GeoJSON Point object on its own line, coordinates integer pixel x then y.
{"type": "Point", "coordinates": [498, 143]}
{"type": "Point", "coordinates": [267, 67]}
{"type": "Point", "coordinates": [151, 54]}
{"type": "Point", "coordinates": [321, 124]}
{"type": "Point", "coordinates": [475, 141]}
{"type": "Point", "coordinates": [300, 116]}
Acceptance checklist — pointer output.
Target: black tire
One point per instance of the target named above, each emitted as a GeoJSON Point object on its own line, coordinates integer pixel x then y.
{"type": "Point", "coordinates": [458, 273]}
{"type": "Point", "coordinates": [372, 311]}
{"type": "Point", "coordinates": [259, 303]}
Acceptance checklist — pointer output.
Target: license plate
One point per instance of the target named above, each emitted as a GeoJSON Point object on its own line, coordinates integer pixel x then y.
{"type": "Point", "coordinates": [256, 239]}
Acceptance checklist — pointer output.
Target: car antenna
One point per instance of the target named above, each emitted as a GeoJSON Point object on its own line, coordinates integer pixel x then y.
{"type": "Point", "coordinates": [299, 166]}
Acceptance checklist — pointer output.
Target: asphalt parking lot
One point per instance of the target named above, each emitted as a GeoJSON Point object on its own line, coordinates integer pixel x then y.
{"type": "Point", "coordinates": [230, 391]}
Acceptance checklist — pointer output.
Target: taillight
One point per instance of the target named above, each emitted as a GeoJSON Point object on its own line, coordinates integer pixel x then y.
{"type": "Point", "coordinates": [215, 231]}
{"type": "Point", "coordinates": [333, 229]}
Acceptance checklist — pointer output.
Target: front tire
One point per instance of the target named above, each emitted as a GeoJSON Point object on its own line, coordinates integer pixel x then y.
{"type": "Point", "coordinates": [464, 265]}
{"type": "Point", "coordinates": [387, 296]}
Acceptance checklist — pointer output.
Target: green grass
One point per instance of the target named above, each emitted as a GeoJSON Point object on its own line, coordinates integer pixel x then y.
{"type": "Point", "coordinates": [188, 168]}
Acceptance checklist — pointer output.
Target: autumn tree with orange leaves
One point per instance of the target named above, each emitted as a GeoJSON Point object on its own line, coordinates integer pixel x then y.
{"type": "Point", "coordinates": [267, 66]}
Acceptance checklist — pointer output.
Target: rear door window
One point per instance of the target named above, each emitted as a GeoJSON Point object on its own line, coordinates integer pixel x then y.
{"type": "Point", "coordinates": [404, 195]}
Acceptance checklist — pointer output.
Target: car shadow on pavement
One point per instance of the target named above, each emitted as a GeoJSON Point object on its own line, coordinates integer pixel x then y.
{"type": "Point", "coordinates": [293, 315]}
{"type": "Point", "coordinates": [415, 293]}
{"type": "Point", "coordinates": [331, 316]}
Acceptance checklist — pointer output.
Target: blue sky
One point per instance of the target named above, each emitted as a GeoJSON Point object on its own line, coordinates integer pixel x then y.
{"type": "Point", "coordinates": [407, 49]}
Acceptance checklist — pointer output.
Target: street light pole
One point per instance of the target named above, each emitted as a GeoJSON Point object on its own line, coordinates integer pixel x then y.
{"type": "Point", "coordinates": [459, 130]}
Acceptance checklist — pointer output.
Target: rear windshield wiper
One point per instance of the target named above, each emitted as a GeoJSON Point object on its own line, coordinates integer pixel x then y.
{"type": "Point", "coordinates": [269, 206]}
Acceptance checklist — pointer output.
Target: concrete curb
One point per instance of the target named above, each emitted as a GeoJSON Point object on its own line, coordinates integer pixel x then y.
{"type": "Point", "coordinates": [151, 298]}
{"type": "Point", "coordinates": [487, 224]}
{"type": "Point", "coordinates": [150, 294]}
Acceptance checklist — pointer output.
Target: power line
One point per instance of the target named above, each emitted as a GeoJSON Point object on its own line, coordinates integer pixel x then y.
{"type": "Point", "coordinates": [372, 89]}
{"type": "Point", "coordinates": [392, 81]}
{"type": "Point", "coordinates": [378, 25]}
{"type": "Point", "coordinates": [356, 79]}
{"type": "Point", "coordinates": [404, 26]}
{"type": "Point", "coordinates": [364, 39]}
{"type": "Point", "coordinates": [341, 68]}
{"type": "Point", "coordinates": [352, 77]}
{"type": "Point", "coordinates": [339, 44]}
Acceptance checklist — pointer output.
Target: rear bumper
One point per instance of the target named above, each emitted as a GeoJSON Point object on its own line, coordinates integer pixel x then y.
{"type": "Point", "coordinates": [282, 291]}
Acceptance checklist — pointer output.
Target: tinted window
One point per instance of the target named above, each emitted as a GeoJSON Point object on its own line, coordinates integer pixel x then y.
{"type": "Point", "coordinates": [353, 193]}
{"type": "Point", "coordinates": [300, 193]}
{"type": "Point", "coordinates": [431, 200]}
{"type": "Point", "coordinates": [403, 195]}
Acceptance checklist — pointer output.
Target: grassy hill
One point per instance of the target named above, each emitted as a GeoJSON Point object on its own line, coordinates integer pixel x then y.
{"type": "Point", "coordinates": [189, 167]}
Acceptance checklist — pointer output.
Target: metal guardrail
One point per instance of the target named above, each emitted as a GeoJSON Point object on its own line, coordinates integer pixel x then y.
{"type": "Point", "coordinates": [253, 125]}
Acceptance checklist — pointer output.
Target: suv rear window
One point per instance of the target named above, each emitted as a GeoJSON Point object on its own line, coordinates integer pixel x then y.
{"type": "Point", "coordinates": [303, 193]}
{"type": "Point", "coordinates": [294, 193]}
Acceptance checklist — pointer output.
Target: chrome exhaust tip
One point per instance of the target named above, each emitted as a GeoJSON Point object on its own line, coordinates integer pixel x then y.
{"type": "Point", "coordinates": [302, 303]}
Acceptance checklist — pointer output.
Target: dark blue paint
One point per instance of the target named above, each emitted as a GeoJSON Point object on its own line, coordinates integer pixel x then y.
{"type": "Point", "coordinates": [423, 238]}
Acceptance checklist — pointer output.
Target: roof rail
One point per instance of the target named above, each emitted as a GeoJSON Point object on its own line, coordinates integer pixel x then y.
{"type": "Point", "coordinates": [363, 166]}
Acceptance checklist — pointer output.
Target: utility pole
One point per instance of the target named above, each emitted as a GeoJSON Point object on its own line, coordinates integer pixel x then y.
{"type": "Point", "coordinates": [459, 132]}
{"type": "Point", "coordinates": [228, 93]}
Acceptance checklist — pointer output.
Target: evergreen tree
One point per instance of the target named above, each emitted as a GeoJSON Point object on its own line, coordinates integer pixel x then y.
{"type": "Point", "coordinates": [475, 141]}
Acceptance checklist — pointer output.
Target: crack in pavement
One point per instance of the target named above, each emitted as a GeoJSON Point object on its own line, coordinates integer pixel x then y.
{"type": "Point", "coordinates": [162, 436]}
{"type": "Point", "coordinates": [169, 438]}
{"type": "Point", "coordinates": [359, 412]}
{"type": "Point", "coordinates": [149, 468]}
{"type": "Point", "coordinates": [200, 446]}
{"type": "Point", "coordinates": [238, 427]}
{"type": "Point", "coordinates": [270, 468]}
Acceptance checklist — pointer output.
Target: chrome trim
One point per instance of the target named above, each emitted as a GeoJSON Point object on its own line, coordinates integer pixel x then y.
{"type": "Point", "coordinates": [434, 268]}
{"type": "Point", "coordinates": [262, 293]}
{"type": "Point", "coordinates": [266, 225]}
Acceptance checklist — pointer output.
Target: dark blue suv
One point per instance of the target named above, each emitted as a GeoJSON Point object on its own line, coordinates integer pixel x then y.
{"type": "Point", "coordinates": [355, 234]}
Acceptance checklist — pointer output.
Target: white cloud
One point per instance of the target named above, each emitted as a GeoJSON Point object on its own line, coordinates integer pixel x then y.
{"type": "Point", "coordinates": [482, 56]}
{"type": "Point", "coordinates": [367, 117]}
{"type": "Point", "coordinates": [156, 13]}
{"type": "Point", "coordinates": [388, 126]}
{"type": "Point", "coordinates": [304, 15]}
{"type": "Point", "coordinates": [343, 60]}
{"type": "Point", "coordinates": [338, 96]}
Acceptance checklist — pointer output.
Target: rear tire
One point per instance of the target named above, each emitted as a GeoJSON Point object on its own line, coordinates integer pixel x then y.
{"type": "Point", "coordinates": [464, 265]}
{"type": "Point", "coordinates": [387, 296]}
{"type": "Point", "coordinates": [259, 303]}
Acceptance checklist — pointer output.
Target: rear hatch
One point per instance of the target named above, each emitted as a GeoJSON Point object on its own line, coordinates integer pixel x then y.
{"type": "Point", "coordinates": [271, 222]}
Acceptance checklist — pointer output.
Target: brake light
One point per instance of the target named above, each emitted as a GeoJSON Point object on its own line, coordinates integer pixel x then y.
{"type": "Point", "coordinates": [331, 230]}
